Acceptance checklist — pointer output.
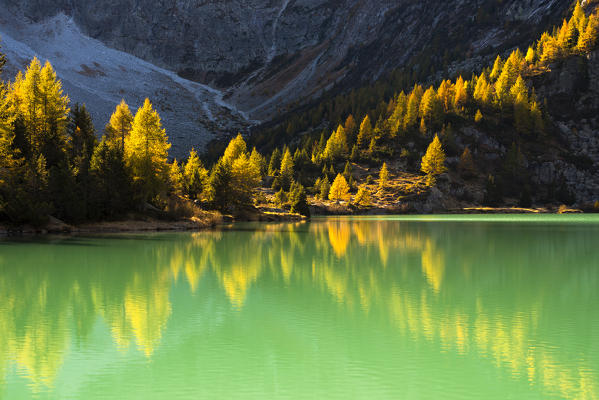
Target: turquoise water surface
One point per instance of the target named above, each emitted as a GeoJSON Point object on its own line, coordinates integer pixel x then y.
{"type": "Point", "coordinates": [427, 307]}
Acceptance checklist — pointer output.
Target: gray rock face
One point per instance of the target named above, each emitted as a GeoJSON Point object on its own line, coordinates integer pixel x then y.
{"type": "Point", "coordinates": [270, 53]}
{"type": "Point", "coordinates": [571, 89]}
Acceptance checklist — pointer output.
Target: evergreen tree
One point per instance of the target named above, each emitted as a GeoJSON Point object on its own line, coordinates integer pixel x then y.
{"type": "Point", "coordinates": [502, 87]}
{"type": "Point", "coordinates": [339, 189]}
{"type": "Point", "coordinates": [446, 94]}
{"type": "Point", "coordinates": [275, 162]}
{"type": "Point", "coordinates": [146, 151]}
{"type": "Point", "coordinates": [531, 56]}
{"type": "Point", "coordinates": [588, 38]}
{"type": "Point", "coordinates": [433, 162]}
{"type": "Point", "coordinates": [363, 197]}
{"type": "Point", "coordinates": [383, 178]}
{"type": "Point", "coordinates": [195, 176]}
{"type": "Point", "coordinates": [82, 133]}
{"type": "Point", "coordinates": [113, 195]}
{"type": "Point", "coordinates": [413, 107]}
{"type": "Point", "coordinates": [119, 127]}
{"type": "Point", "coordinates": [461, 94]}
{"type": "Point", "coordinates": [286, 174]}
{"type": "Point", "coordinates": [336, 145]}
{"type": "Point", "coordinates": [365, 133]}
{"type": "Point", "coordinates": [281, 198]}
{"type": "Point", "coordinates": [221, 191]}
{"type": "Point", "coordinates": [325, 188]}
{"type": "Point", "coordinates": [578, 16]}
{"type": "Point", "coordinates": [38, 99]}
{"type": "Point", "coordinates": [397, 118]}
{"type": "Point", "coordinates": [299, 200]}
{"type": "Point", "coordinates": [245, 177]}
{"type": "Point", "coordinates": [497, 68]}
{"type": "Point", "coordinates": [351, 129]}
{"type": "Point", "coordinates": [430, 111]}
{"type": "Point", "coordinates": [483, 91]}
{"type": "Point", "coordinates": [175, 178]}
{"type": "Point", "coordinates": [235, 149]}
{"type": "Point", "coordinates": [258, 161]}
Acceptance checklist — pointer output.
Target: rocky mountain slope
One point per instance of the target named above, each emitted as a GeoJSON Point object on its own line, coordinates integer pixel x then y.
{"type": "Point", "coordinates": [100, 77]}
{"type": "Point", "coordinates": [264, 55]}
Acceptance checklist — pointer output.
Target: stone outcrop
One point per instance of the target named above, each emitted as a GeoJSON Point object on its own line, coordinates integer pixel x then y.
{"type": "Point", "coordinates": [571, 90]}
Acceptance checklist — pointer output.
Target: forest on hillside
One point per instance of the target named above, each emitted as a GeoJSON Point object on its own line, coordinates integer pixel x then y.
{"type": "Point", "coordinates": [51, 162]}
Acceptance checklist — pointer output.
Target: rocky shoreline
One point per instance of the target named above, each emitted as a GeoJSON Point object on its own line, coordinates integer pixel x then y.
{"type": "Point", "coordinates": [138, 225]}
{"type": "Point", "coordinates": [144, 225]}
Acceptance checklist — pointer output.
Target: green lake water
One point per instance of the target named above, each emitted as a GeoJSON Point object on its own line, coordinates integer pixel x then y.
{"type": "Point", "coordinates": [450, 307]}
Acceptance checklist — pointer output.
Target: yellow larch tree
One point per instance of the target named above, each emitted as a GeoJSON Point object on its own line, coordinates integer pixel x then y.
{"type": "Point", "coordinates": [339, 189]}
{"type": "Point", "coordinates": [146, 150]}
{"type": "Point", "coordinates": [433, 162]}
{"type": "Point", "coordinates": [119, 126]}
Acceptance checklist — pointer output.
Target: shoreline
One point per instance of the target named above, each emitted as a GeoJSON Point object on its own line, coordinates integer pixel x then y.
{"type": "Point", "coordinates": [147, 225]}
{"type": "Point", "coordinates": [56, 227]}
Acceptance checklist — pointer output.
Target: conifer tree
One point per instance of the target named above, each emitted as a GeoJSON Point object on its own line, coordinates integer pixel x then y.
{"type": "Point", "coordinates": [339, 189]}
{"type": "Point", "coordinates": [530, 56]}
{"type": "Point", "coordinates": [588, 37]}
{"type": "Point", "coordinates": [429, 110]}
{"type": "Point", "coordinates": [413, 108]}
{"type": "Point", "coordinates": [461, 94]}
{"type": "Point", "coordinates": [221, 192]}
{"type": "Point", "coordinates": [571, 37]}
{"type": "Point", "coordinates": [113, 194]}
{"type": "Point", "coordinates": [275, 162]}
{"type": "Point", "coordinates": [146, 151]}
{"type": "Point", "coordinates": [578, 16]}
{"type": "Point", "coordinates": [446, 94]}
{"type": "Point", "coordinates": [497, 68]}
{"type": "Point", "coordinates": [286, 174]}
{"type": "Point", "coordinates": [372, 146]}
{"type": "Point", "coordinates": [550, 51]}
{"type": "Point", "coordinates": [119, 127]}
{"type": "Point", "coordinates": [175, 178]}
{"type": "Point", "coordinates": [235, 149]}
{"type": "Point", "coordinates": [351, 129]}
{"type": "Point", "coordinates": [258, 161]}
{"type": "Point", "coordinates": [365, 133]}
{"type": "Point", "coordinates": [281, 198]}
{"type": "Point", "coordinates": [82, 132]}
{"type": "Point", "coordinates": [383, 178]}
{"type": "Point", "coordinates": [299, 200]}
{"type": "Point", "coordinates": [483, 91]}
{"type": "Point", "coordinates": [324, 189]}
{"type": "Point", "coordinates": [397, 118]}
{"type": "Point", "coordinates": [245, 178]}
{"type": "Point", "coordinates": [336, 145]}
{"type": "Point", "coordinates": [38, 98]}
{"type": "Point", "coordinates": [433, 162]}
{"type": "Point", "coordinates": [363, 197]}
{"type": "Point", "coordinates": [195, 175]}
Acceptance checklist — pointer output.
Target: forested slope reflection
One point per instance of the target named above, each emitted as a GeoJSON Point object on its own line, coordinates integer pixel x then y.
{"type": "Point", "coordinates": [522, 296]}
